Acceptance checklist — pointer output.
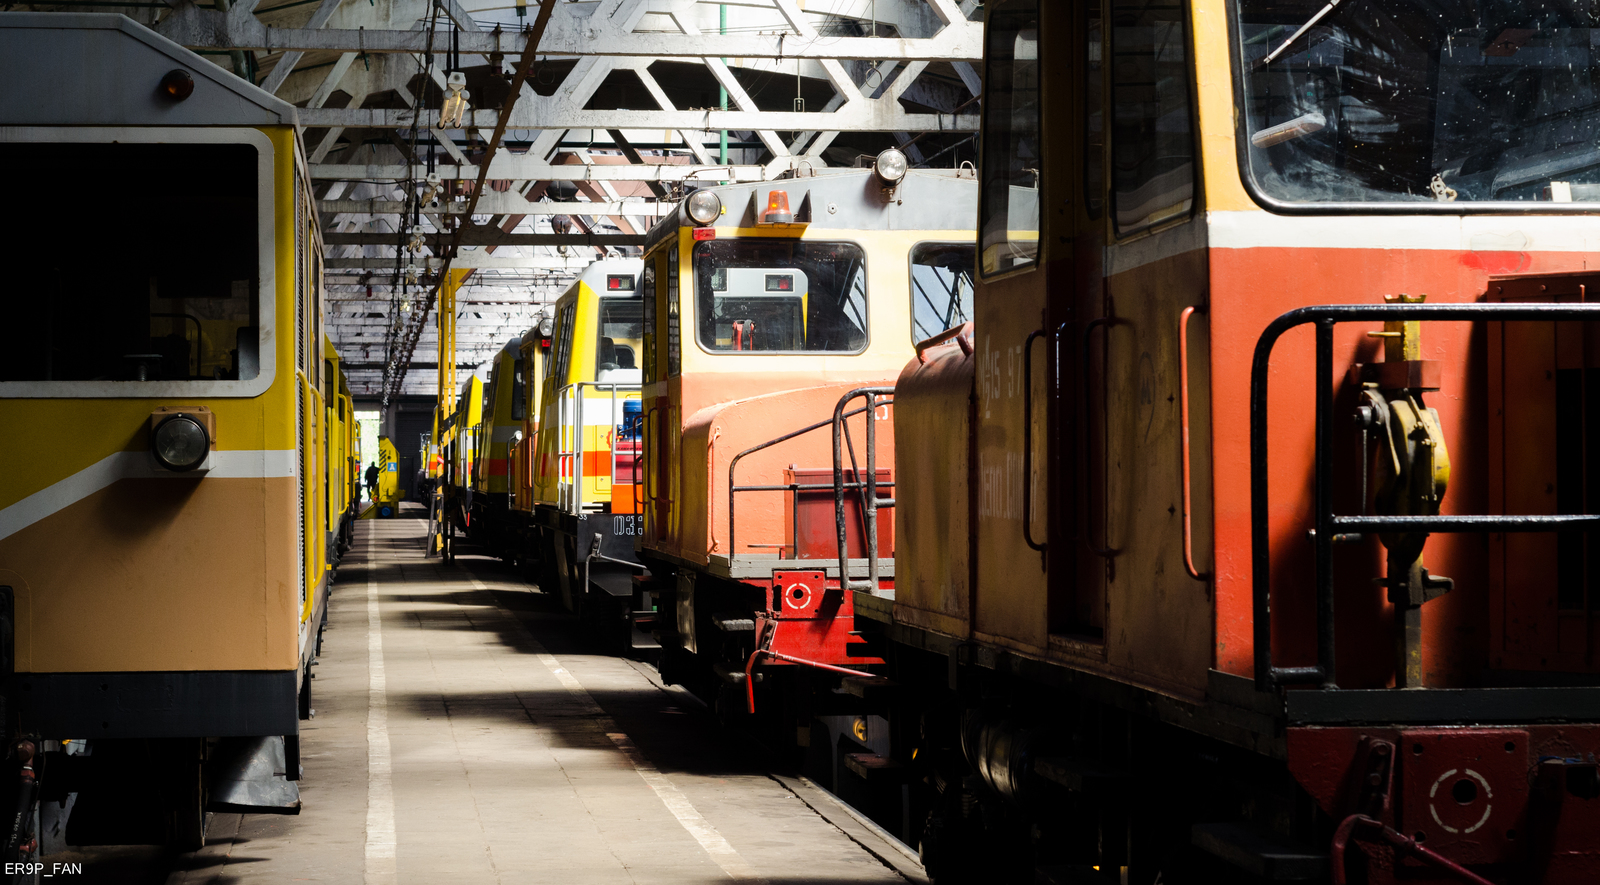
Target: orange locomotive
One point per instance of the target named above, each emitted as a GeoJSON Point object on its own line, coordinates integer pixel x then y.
{"type": "Point", "coordinates": [763, 306]}
{"type": "Point", "coordinates": [1222, 551]}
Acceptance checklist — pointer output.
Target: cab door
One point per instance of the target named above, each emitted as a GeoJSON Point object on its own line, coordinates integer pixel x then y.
{"type": "Point", "coordinates": [1158, 617]}
{"type": "Point", "coordinates": [1027, 233]}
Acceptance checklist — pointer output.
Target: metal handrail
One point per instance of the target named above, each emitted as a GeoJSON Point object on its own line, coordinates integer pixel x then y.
{"type": "Point", "coordinates": [1325, 535]}
{"type": "Point", "coordinates": [653, 461]}
{"type": "Point", "coordinates": [1183, 423]}
{"type": "Point", "coordinates": [792, 487]}
{"type": "Point", "coordinates": [870, 502]}
{"type": "Point", "coordinates": [574, 392]}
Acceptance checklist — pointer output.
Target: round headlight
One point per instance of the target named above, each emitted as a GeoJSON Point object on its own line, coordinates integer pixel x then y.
{"type": "Point", "coordinates": [703, 206]}
{"type": "Point", "coordinates": [890, 166]}
{"type": "Point", "coordinates": [181, 443]}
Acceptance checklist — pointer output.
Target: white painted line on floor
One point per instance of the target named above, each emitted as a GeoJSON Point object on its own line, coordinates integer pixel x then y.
{"type": "Point", "coordinates": [701, 829]}
{"type": "Point", "coordinates": [380, 783]}
{"type": "Point", "coordinates": [682, 809]}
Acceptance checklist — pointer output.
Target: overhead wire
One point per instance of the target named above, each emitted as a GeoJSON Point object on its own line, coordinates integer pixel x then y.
{"type": "Point", "coordinates": [503, 121]}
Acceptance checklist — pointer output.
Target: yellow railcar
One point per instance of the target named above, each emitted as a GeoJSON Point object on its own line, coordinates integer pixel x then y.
{"type": "Point", "coordinates": [163, 558]}
{"type": "Point", "coordinates": [386, 500]}
{"type": "Point", "coordinates": [586, 449]}
{"type": "Point", "coordinates": [503, 405]}
{"type": "Point", "coordinates": [341, 476]}
{"type": "Point", "coordinates": [518, 541]}
{"type": "Point", "coordinates": [458, 452]}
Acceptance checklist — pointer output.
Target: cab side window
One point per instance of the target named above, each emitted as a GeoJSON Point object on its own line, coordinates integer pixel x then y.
{"type": "Point", "coordinates": [1152, 138]}
{"type": "Point", "coordinates": [563, 348]}
{"type": "Point", "coordinates": [647, 293]}
{"type": "Point", "coordinates": [1012, 157]}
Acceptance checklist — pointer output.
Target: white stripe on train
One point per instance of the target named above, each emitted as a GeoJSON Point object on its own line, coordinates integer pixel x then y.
{"type": "Point", "coordinates": [241, 464]}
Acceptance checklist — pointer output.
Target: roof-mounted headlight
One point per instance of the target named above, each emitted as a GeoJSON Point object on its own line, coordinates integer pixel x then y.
{"type": "Point", "coordinates": [180, 443]}
{"type": "Point", "coordinates": [703, 206]}
{"type": "Point", "coordinates": [890, 166]}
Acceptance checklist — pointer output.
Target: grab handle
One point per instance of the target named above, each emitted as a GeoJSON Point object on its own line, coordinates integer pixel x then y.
{"type": "Point", "coordinates": [647, 432]}
{"type": "Point", "coordinates": [1088, 454]}
{"type": "Point", "coordinates": [1183, 414]}
{"type": "Point", "coordinates": [1027, 442]}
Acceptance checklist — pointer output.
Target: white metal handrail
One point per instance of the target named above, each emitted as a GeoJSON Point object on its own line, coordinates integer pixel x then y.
{"type": "Point", "coordinates": [571, 425]}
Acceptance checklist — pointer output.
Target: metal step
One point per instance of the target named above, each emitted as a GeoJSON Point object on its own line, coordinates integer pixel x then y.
{"type": "Point", "coordinates": [870, 688]}
{"type": "Point", "coordinates": [872, 767]}
{"type": "Point", "coordinates": [1257, 851]}
{"type": "Point", "coordinates": [618, 585]}
{"type": "Point", "coordinates": [734, 623]}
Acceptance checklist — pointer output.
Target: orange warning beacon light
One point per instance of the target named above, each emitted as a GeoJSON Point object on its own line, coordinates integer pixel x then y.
{"type": "Point", "coordinates": [777, 209]}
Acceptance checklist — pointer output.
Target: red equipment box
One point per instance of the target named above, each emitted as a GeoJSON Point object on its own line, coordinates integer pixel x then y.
{"type": "Point", "coordinates": [808, 517]}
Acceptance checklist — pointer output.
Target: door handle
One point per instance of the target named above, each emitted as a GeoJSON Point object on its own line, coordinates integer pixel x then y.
{"type": "Point", "coordinates": [1183, 414]}
{"type": "Point", "coordinates": [1027, 443]}
{"type": "Point", "coordinates": [1088, 450]}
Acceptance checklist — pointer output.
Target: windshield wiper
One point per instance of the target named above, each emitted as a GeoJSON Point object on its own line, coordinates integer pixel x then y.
{"type": "Point", "coordinates": [1322, 13]}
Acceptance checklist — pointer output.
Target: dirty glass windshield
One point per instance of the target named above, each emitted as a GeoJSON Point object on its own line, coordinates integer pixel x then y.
{"type": "Point", "coordinates": [169, 291]}
{"type": "Point", "coordinates": [941, 287]}
{"type": "Point", "coordinates": [774, 294]}
{"type": "Point", "coordinates": [1013, 162]}
{"type": "Point", "coordinates": [1449, 101]}
{"type": "Point", "coordinates": [621, 337]}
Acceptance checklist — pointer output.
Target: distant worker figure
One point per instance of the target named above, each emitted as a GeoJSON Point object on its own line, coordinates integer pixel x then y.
{"type": "Point", "coordinates": [372, 481]}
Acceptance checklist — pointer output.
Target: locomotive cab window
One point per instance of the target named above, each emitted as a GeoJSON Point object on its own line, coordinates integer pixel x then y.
{"type": "Point", "coordinates": [1013, 163]}
{"type": "Point", "coordinates": [562, 352]}
{"type": "Point", "coordinates": [780, 295]}
{"type": "Point", "coordinates": [169, 287]}
{"type": "Point", "coordinates": [519, 390]}
{"type": "Point", "coordinates": [621, 339]}
{"type": "Point", "coordinates": [1152, 142]}
{"type": "Point", "coordinates": [1452, 102]}
{"type": "Point", "coordinates": [941, 287]}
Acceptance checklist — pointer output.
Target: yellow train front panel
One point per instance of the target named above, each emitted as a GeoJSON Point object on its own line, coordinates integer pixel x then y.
{"type": "Point", "coordinates": [163, 523]}
{"type": "Point", "coordinates": [593, 374]}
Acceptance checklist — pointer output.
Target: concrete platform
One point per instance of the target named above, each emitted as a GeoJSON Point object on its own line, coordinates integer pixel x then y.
{"type": "Point", "coordinates": [464, 733]}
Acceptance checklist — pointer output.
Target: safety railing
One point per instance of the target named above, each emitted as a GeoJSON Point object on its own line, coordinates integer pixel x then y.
{"type": "Point", "coordinates": [1331, 528]}
{"type": "Point", "coordinates": [570, 432]}
{"type": "Point", "coordinates": [838, 485]}
{"type": "Point", "coordinates": [875, 397]}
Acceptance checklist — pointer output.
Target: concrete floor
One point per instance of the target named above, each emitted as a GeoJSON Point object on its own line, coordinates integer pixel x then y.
{"type": "Point", "coordinates": [466, 733]}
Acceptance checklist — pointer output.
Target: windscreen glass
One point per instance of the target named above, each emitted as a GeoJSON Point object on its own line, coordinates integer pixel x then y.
{"type": "Point", "coordinates": [1012, 160]}
{"type": "Point", "coordinates": [776, 294]}
{"type": "Point", "coordinates": [563, 343]}
{"type": "Point", "coordinates": [1152, 145]}
{"type": "Point", "coordinates": [519, 394]}
{"type": "Point", "coordinates": [941, 287]}
{"type": "Point", "coordinates": [141, 263]}
{"type": "Point", "coordinates": [1382, 100]}
{"type": "Point", "coordinates": [621, 336]}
